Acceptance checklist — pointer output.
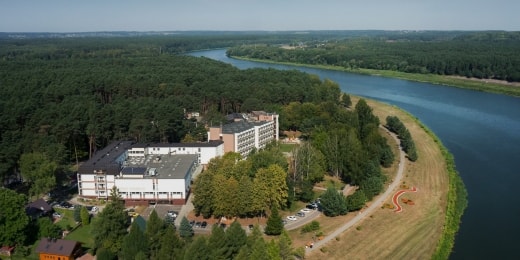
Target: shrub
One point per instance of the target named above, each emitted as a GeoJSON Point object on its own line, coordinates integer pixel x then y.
{"type": "Point", "coordinates": [313, 226]}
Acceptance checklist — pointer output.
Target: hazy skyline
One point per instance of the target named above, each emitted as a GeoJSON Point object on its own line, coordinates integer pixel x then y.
{"type": "Point", "coordinates": [268, 15]}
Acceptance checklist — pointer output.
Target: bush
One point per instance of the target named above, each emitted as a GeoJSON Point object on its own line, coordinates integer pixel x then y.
{"type": "Point", "coordinates": [333, 203]}
{"type": "Point", "coordinates": [313, 226]}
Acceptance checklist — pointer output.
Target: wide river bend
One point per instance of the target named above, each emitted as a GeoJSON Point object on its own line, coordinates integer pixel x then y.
{"type": "Point", "coordinates": [481, 130]}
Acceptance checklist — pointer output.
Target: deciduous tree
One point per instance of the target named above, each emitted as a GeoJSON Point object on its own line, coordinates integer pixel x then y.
{"type": "Point", "coordinates": [39, 171]}
{"type": "Point", "coordinates": [13, 219]}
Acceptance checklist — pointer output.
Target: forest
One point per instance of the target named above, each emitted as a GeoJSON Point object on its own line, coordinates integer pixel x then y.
{"type": "Point", "coordinates": [482, 55]}
{"type": "Point", "coordinates": [67, 97]}
{"type": "Point", "coordinates": [61, 99]}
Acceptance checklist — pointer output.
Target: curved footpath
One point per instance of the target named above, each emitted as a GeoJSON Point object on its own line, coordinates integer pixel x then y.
{"type": "Point", "coordinates": [395, 199]}
{"type": "Point", "coordinates": [374, 204]}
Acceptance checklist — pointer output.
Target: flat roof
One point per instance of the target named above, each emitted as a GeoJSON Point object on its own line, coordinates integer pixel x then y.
{"type": "Point", "coordinates": [212, 143]}
{"type": "Point", "coordinates": [168, 166]}
{"type": "Point", "coordinates": [105, 159]}
{"type": "Point", "coordinates": [241, 126]}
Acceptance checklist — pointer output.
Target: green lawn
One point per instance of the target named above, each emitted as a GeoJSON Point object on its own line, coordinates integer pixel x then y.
{"type": "Point", "coordinates": [287, 148]}
{"type": "Point", "coordinates": [67, 218]}
{"type": "Point", "coordinates": [82, 235]}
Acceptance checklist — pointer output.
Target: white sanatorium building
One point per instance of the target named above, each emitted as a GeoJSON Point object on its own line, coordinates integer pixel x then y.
{"type": "Point", "coordinates": [145, 173]}
{"type": "Point", "coordinates": [163, 172]}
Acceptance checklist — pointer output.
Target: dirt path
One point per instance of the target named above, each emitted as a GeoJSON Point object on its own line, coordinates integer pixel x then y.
{"type": "Point", "coordinates": [373, 205]}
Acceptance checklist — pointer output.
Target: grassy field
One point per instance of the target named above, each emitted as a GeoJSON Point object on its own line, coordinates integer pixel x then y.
{"type": "Point", "coordinates": [412, 234]}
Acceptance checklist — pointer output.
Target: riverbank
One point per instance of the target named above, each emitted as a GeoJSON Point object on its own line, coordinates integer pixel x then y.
{"type": "Point", "coordinates": [491, 86]}
{"type": "Point", "coordinates": [424, 230]}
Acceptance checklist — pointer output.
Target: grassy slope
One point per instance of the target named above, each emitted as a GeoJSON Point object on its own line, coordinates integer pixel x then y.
{"type": "Point", "coordinates": [422, 231]}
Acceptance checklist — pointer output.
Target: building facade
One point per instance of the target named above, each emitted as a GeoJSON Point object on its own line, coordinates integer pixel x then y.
{"type": "Point", "coordinates": [241, 136]}
{"type": "Point", "coordinates": [145, 173]}
{"type": "Point", "coordinates": [58, 249]}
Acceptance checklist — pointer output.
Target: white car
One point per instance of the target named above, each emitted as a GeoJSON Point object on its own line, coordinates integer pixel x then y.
{"type": "Point", "coordinates": [56, 215]}
{"type": "Point", "coordinates": [291, 218]}
{"type": "Point", "coordinates": [305, 210]}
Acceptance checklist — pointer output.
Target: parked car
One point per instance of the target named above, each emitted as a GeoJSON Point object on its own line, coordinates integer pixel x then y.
{"type": "Point", "coordinates": [305, 210]}
{"type": "Point", "coordinates": [192, 223]}
{"type": "Point", "coordinates": [56, 215]}
{"type": "Point", "coordinates": [172, 214]}
{"type": "Point", "coordinates": [300, 214]}
{"type": "Point", "coordinates": [204, 224]}
{"type": "Point", "coordinates": [312, 206]}
{"type": "Point", "coordinates": [223, 225]}
{"type": "Point", "coordinates": [291, 218]}
{"type": "Point", "coordinates": [197, 224]}
{"type": "Point", "coordinates": [251, 226]}
{"type": "Point", "coordinates": [66, 205]}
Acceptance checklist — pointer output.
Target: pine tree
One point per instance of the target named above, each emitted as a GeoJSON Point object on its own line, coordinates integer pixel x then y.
{"type": "Point", "coordinates": [217, 242]}
{"type": "Point", "coordinates": [333, 203]}
{"type": "Point", "coordinates": [77, 213]}
{"type": "Point", "coordinates": [197, 250]}
{"type": "Point", "coordinates": [109, 227]}
{"type": "Point", "coordinates": [154, 230]}
{"type": "Point", "coordinates": [235, 238]}
{"type": "Point", "coordinates": [357, 200]}
{"type": "Point", "coordinates": [259, 251]}
{"type": "Point", "coordinates": [285, 246]}
{"type": "Point", "coordinates": [170, 246]}
{"type": "Point", "coordinates": [85, 216]}
{"type": "Point", "coordinates": [185, 229]}
{"type": "Point", "coordinates": [245, 251]}
{"type": "Point", "coordinates": [274, 225]}
{"type": "Point", "coordinates": [134, 242]}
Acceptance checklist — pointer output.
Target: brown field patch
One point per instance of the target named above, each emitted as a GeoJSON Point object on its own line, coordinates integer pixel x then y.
{"type": "Point", "coordinates": [411, 234]}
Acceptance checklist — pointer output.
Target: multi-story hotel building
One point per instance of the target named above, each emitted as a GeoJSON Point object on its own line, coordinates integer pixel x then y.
{"type": "Point", "coordinates": [256, 130]}
{"type": "Point", "coordinates": [145, 173]}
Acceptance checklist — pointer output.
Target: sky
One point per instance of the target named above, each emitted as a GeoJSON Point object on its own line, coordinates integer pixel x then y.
{"type": "Point", "coordinates": [265, 15]}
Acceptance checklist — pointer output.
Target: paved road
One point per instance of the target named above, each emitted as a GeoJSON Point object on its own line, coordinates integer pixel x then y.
{"type": "Point", "coordinates": [310, 216]}
{"type": "Point", "coordinates": [373, 206]}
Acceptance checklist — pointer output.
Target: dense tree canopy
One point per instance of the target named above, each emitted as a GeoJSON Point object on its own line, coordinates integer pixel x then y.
{"type": "Point", "coordinates": [109, 227]}
{"type": "Point", "coordinates": [219, 192]}
{"type": "Point", "coordinates": [479, 54]}
{"type": "Point", "coordinates": [13, 219]}
{"type": "Point", "coordinates": [66, 98]}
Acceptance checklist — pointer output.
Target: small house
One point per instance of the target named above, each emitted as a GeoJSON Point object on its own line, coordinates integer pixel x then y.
{"type": "Point", "coordinates": [38, 208]}
{"type": "Point", "coordinates": [58, 249]}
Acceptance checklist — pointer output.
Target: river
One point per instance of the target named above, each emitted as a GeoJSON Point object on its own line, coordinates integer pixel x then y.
{"type": "Point", "coordinates": [481, 130]}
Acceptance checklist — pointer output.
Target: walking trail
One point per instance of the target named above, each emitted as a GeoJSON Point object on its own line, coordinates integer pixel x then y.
{"type": "Point", "coordinates": [373, 206]}
{"type": "Point", "coordinates": [395, 199]}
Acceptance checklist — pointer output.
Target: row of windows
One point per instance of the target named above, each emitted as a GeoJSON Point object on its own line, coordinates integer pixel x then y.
{"type": "Point", "coordinates": [158, 149]}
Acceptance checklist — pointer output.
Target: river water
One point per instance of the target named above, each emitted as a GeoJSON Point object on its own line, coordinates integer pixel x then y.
{"type": "Point", "coordinates": [481, 130]}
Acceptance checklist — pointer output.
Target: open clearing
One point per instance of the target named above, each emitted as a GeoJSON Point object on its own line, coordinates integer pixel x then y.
{"type": "Point", "coordinates": [411, 234]}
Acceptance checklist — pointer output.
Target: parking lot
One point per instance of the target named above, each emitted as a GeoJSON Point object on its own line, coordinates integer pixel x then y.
{"type": "Point", "coordinates": [161, 209]}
